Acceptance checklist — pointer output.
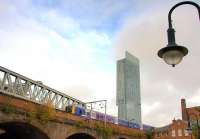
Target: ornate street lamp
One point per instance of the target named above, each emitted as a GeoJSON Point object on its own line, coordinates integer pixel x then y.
{"type": "Point", "coordinates": [173, 53]}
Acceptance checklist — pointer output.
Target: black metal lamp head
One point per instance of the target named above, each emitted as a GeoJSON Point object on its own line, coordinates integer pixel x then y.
{"type": "Point", "coordinates": [172, 54]}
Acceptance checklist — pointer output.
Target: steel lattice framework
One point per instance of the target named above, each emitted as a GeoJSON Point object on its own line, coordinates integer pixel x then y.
{"type": "Point", "coordinates": [12, 83]}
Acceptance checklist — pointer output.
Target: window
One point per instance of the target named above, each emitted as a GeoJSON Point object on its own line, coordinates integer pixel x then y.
{"type": "Point", "coordinates": [173, 133]}
{"type": "Point", "coordinates": [186, 132]}
{"type": "Point", "coordinates": [179, 132]}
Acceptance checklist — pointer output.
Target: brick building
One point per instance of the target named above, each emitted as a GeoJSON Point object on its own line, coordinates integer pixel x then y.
{"type": "Point", "coordinates": [175, 130]}
{"type": "Point", "coordinates": [191, 114]}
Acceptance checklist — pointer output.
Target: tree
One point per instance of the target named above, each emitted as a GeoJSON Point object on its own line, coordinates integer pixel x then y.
{"type": "Point", "coordinates": [195, 131]}
{"type": "Point", "coordinates": [149, 134]}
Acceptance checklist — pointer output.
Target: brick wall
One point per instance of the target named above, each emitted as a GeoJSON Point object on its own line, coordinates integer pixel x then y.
{"type": "Point", "coordinates": [62, 116]}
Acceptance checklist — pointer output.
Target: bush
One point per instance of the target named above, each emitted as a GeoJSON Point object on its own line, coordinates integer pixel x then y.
{"type": "Point", "coordinates": [7, 107]}
{"type": "Point", "coordinates": [149, 134]}
{"type": "Point", "coordinates": [46, 113]}
{"type": "Point", "coordinates": [43, 113]}
{"type": "Point", "coordinates": [195, 131]}
{"type": "Point", "coordinates": [103, 131]}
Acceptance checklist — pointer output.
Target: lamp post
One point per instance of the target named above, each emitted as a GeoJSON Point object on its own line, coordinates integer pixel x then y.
{"type": "Point", "coordinates": [173, 53]}
{"type": "Point", "coordinates": [105, 107]}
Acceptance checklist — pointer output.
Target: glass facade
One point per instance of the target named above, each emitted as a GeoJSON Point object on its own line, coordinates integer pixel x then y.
{"type": "Point", "coordinates": [128, 89]}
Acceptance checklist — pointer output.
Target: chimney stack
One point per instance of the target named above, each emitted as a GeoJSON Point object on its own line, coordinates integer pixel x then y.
{"type": "Point", "coordinates": [183, 109]}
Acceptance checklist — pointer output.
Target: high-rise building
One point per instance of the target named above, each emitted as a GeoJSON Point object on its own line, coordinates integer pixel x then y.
{"type": "Point", "coordinates": [128, 89]}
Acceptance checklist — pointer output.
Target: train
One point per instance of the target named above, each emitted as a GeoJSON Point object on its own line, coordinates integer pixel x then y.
{"type": "Point", "coordinates": [87, 113]}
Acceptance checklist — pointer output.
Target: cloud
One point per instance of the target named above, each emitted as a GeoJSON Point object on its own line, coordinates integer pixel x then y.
{"type": "Point", "coordinates": [149, 108]}
{"type": "Point", "coordinates": [194, 99]}
{"type": "Point", "coordinates": [162, 86]}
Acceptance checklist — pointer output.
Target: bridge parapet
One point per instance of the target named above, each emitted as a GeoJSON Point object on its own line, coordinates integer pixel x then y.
{"type": "Point", "coordinates": [12, 83]}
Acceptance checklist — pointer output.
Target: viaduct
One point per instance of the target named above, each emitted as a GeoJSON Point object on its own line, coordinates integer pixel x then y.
{"type": "Point", "coordinates": [25, 114]}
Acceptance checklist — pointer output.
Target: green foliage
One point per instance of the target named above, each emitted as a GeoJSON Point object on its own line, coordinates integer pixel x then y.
{"type": "Point", "coordinates": [149, 134]}
{"type": "Point", "coordinates": [136, 134]}
{"type": "Point", "coordinates": [80, 124]}
{"type": "Point", "coordinates": [42, 113]}
{"type": "Point", "coordinates": [103, 131]}
{"type": "Point", "coordinates": [107, 133]}
{"type": "Point", "coordinates": [45, 113]}
{"type": "Point", "coordinates": [31, 116]}
{"type": "Point", "coordinates": [69, 110]}
{"type": "Point", "coordinates": [7, 107]}
{"type": "Point", "coordinates": [195, 131]}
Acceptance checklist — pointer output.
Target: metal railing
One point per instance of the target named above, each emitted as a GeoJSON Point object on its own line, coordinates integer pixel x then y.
{"type": "Point", "coordinates": [12, 83]}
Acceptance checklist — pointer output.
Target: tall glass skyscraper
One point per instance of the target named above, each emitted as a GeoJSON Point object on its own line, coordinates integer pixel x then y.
{"type": "Point", "coordinates": [128, 89]}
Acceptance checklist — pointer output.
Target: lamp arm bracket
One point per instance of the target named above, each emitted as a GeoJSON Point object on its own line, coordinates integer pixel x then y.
{"type": "Point", "coordinates": [179, 4]}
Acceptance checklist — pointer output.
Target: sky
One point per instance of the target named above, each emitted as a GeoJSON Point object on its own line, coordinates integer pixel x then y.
{"type": "Point", "coordinates": [73, 46]}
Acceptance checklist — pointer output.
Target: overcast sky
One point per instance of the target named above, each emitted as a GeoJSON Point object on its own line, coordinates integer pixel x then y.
{"type": "Point", "coordinates": [73, 46]}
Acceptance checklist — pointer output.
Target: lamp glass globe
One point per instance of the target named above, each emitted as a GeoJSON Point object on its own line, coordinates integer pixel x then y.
{"type": "Point", "coordinates": [173, 57]}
